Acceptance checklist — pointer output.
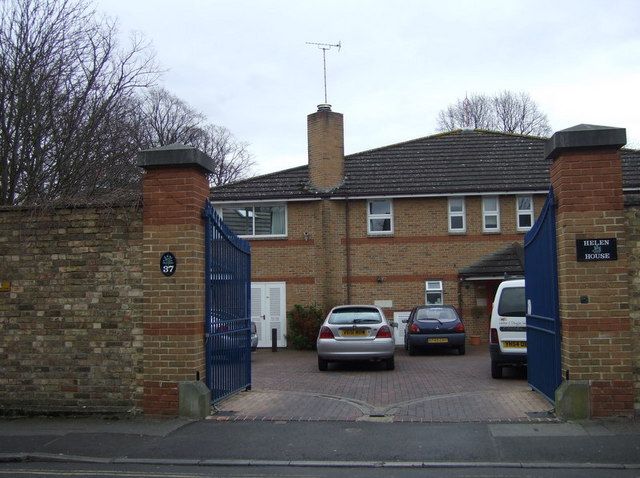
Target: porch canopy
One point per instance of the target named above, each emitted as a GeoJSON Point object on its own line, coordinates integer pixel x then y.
{"type": "Point", "coordinates": [504, 263]}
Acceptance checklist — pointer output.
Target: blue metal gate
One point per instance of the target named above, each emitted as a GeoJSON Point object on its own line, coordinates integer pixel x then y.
{"type": "Point", "coordinates": [543, 316]}
{"type": "Point", "coordinates": [227, 308]}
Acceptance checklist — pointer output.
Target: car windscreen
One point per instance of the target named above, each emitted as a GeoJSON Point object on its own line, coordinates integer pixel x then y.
{"type": "Point", "coordinates": [512, 302]}
{"type": "Point", "coordinates": [355, 316]}
{"type": "Point", "coordinates": [441, 314]}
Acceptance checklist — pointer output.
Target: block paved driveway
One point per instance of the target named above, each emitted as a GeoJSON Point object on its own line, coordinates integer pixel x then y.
{"type": "Point", "coordinates": [434, 387]}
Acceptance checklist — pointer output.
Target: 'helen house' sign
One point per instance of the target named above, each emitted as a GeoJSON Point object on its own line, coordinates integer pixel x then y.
{"type": "Point", "coordinates": [596, 250]}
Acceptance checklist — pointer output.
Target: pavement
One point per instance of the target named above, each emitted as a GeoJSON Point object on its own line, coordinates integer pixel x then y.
{"type": "Point", "coordinates": [586, 445]}
{"type": "Point", "coordinates": [433, 411]}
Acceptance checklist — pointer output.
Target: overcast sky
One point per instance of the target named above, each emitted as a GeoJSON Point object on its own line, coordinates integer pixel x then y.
{"type": "Point", "coordinates": [246, 66]}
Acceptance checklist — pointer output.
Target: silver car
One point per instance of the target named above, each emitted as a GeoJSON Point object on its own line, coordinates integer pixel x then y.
{"type": "Point", "coordinates": [355, 332]}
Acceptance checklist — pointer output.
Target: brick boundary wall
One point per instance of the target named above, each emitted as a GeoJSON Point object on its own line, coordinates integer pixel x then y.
{"type": "Point", "coordinates": [71, 310]}
{"type": "Point", "coordinates": [632, 213]}
{"type": "Point", "coordinates": [586, 176]}
{"type": "Point", "coordinates": [175, 188]}
{"type": "Point", "coordinates": [88, 323]}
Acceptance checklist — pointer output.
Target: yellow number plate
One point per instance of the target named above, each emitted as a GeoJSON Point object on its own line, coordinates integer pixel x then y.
{"type": "Point", "coordinates": [443, 340]}
{"type": "Point", "coordinates": [353, 332]}
{"type": "Point", "coordinates": [517, 344]}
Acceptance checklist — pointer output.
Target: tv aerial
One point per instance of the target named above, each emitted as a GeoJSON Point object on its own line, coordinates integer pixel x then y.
{"type": "Point", "coordinates": [325, 47]}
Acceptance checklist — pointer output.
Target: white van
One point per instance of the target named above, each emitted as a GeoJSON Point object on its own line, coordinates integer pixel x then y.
{"type": "Point", "coordinates": [508, 335]}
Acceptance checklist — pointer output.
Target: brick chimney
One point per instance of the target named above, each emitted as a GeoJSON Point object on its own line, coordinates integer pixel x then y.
{"type": "Point", "coordinates": [325, 133]}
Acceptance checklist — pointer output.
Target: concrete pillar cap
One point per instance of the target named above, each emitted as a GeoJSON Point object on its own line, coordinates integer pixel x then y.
{"type": "Point", "coordinates": [584, 136]}
{"type": "Point", "coordinates": [175, 154]}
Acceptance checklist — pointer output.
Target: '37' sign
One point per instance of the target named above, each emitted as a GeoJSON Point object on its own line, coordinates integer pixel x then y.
{"type": "Point", "coordinates": [168, 264]}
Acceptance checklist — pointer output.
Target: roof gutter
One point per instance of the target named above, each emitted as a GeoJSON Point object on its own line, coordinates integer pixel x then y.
{"type": "Point", "coordinates": [254, 201]}
{"type": "Point", "coordinates": [411, 196]}
{"type": "Point", "coordinates": [390, 196]}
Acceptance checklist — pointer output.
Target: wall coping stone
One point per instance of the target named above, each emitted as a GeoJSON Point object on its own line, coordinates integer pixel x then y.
{"type": "Point", "coordinates": [175, 154]}
{"type": "Point", "coordinates": [584, 136]}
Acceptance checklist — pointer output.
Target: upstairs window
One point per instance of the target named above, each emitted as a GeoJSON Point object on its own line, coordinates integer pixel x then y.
{"type": "Point", "coordinates": [457, 222]}
{"type": "Point", "coordinates": [524, 212]}
{"type": "Point", "coordinates": [491, 214]}
{"type": "Point", "coordinates": [256, 220]}
{"type": "Point", "coordinates": [380, 216]}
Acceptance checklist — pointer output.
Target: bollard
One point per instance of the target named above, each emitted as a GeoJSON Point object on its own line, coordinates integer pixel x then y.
{"type": "Point", "coordinates": [274, 340]}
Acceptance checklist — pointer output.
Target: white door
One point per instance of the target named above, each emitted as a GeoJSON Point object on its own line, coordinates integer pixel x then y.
{"type": "Point", "coordinates": [268, 303]}
{"type": "Point", "coordinates": [398, 317]}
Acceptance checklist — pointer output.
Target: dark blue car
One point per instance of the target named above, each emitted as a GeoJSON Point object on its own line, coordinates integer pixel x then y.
{"type": "Point", "coordinates": [434, 326]}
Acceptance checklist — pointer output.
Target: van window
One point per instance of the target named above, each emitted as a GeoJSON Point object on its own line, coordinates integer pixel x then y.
{"type": "Point", "coordinates": [512, 302]}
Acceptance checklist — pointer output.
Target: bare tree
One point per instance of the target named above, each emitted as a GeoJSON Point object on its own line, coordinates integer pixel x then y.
{"type": "Point", "coordinates": [518, 113]}
{"type": "Point", "coordinates": [162, 118]}
{"type": "Point", "coordinates": [231, 158]}
{"type": "Point", "coordinates": [507, 111]}
{"type": "Point", "coordinates": [166, 119]}
{"type": "Point", "coordinates": [471, 112]}
{"type": "Point", "coordinates": [65, 95]}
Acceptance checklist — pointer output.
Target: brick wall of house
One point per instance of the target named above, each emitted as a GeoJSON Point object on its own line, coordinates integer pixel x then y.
{"type": "Point", "coordinates": [312, 260]}
{"type": "Point", "coordinates": [295, 259]}
{"type": "Point", "coordinates": [71, 319]}
{"type": "Point", "coordinates": [633, 238]}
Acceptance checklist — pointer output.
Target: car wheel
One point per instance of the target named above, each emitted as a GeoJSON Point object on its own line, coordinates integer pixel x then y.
{"type": "Point", "coordinates": [390, 363]}
{"type": "Point", "coordinates": [496, 370]}
{"type": "Point", "coordinates": [412, 349]}
{"type": "Point", "coordinates": [323, 365]}
{"type": "Point", "coordinates": [461, 350]}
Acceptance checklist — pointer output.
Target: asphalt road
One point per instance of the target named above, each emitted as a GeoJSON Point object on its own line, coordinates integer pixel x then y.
{"type": "Point", "coordinates": [593, 448]}
{"type": "Point", "coordinates": [57, 470]}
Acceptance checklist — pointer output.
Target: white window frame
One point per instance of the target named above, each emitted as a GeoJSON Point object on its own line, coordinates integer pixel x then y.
{"type": "Point", "coordinates": [522, 212]}
{"type": "Point", "coordinates": [487, 213]}
{"type": "Point", "coordinates": [219, 210]}
{"type": "Point", "coordinates": [452, 214]}
{"type": "Point", "coordinates": [434, 287]}
{"type": "Point", "coordinates": [379, 216]}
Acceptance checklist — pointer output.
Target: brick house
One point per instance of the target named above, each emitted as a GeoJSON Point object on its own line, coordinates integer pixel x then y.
{"type": "Point", "coordinates": [439, 219]}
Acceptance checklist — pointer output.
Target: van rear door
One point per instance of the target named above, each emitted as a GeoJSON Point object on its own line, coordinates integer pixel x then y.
{"type": "Point", "coordinates": [512, 326]}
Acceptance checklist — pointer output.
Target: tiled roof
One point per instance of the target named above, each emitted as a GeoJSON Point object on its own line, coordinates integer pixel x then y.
{"type": "Point", "coordinates": [460, 161]}
{"type": "Point", "coordinates": [287, 184]}
{"type": "Point", "coordinates": [632, 199]}
{"type": "Point", "coordinates": [505, 262]}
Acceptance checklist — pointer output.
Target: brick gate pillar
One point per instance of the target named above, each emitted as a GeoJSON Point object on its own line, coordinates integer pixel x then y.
{"type": "Point", "coordinates": [586, 176]}
{"type": "Point", "coordinates": [175, 187]}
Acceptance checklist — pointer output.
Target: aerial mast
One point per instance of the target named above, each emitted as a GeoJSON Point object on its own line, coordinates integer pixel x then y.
{"type": "Point", "coordinates": [324, 47]}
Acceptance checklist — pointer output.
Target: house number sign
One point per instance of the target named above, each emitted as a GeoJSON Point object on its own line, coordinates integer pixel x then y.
{"type": "Point", "coordinates": [168, 264]}
{"type": "Point", "coordinates": [588, 250]}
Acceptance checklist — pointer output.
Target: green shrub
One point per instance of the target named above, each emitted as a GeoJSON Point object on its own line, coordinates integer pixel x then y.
{"type": "Point", "coordinates": [303, 324]}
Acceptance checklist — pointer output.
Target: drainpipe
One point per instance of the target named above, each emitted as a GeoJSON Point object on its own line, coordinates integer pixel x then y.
{"type": "Point", "coordinates": [347, 244]}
